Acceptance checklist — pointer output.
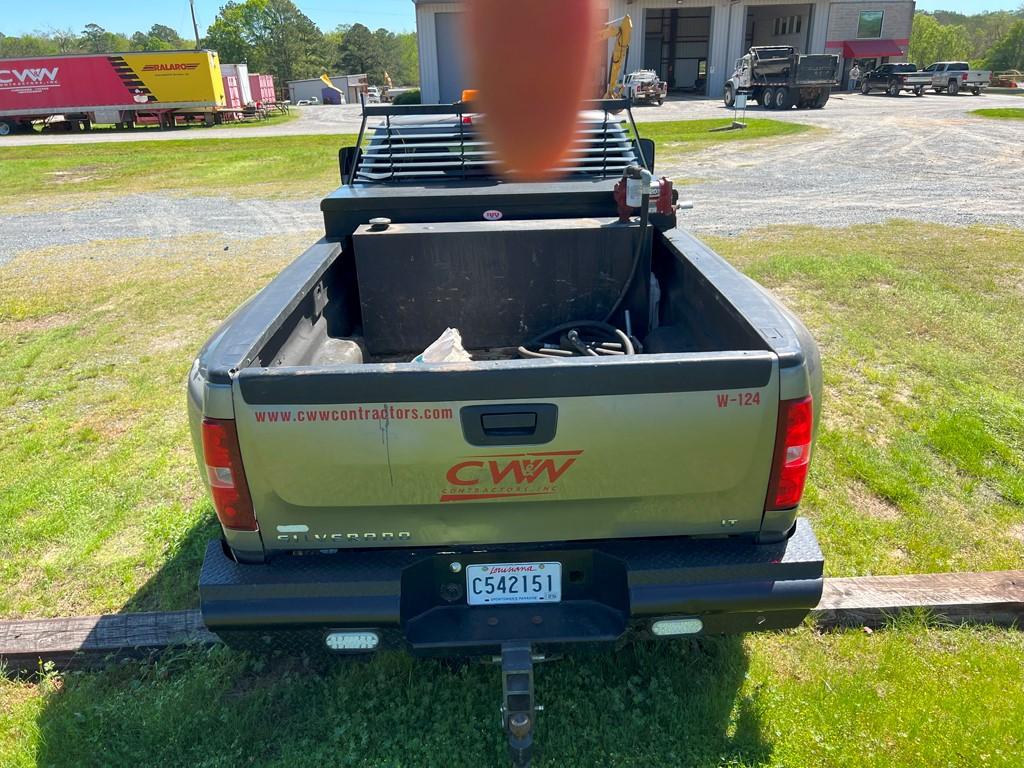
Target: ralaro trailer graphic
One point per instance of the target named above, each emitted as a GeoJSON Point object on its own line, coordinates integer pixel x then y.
{"type": "Point", "coordinates": [109, 88]}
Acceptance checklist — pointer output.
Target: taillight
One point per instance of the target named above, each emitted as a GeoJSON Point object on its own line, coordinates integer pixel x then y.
{"type": "Point", "coordinates": [223, 461]}
{"type": "Point", "coordinates": [792, 454]}
{"type": "Point", "coordinates": [964, 77]}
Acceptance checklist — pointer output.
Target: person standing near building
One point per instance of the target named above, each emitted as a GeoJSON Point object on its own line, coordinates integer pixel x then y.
{"type": "Point", "coordinates": [854, 76]}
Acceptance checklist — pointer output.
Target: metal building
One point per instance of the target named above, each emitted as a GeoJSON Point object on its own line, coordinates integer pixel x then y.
{"type": "Point", "coordinates": [693, 44]}
{"type": "Point", "coordinates": [350, 85]}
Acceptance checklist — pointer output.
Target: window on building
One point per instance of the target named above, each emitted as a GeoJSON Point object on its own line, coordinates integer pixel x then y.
{"type": "Point", "coordinates": [870, 24]}
{"type": "Point", "coordinates": [788, 25]}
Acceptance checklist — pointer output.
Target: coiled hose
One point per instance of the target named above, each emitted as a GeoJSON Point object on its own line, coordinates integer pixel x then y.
{"type": "Point", "coordinates": [617, 342]}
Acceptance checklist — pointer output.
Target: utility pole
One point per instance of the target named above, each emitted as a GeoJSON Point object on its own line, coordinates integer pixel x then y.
{"type": "Point", "coordinates": [195, 27]}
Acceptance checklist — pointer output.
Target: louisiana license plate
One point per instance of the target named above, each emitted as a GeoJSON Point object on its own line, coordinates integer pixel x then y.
{"type": "Point", "coordinates": [498, 583]}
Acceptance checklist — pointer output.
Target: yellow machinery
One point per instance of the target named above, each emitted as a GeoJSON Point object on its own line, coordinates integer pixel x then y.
{"type": "Point", "coordinates": [330, 84]}
{"type": "Point", "coordinates": [621, 29]}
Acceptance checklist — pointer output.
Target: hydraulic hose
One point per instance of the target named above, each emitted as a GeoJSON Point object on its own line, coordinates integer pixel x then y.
{"type": "Point", "coordinates": [535, 346]}
{"type": "Point", "coordinates": [638, 254]}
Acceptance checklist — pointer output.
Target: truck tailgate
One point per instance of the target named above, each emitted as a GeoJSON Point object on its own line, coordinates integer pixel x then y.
{"type": "Point", "coordinates": [516, 451]}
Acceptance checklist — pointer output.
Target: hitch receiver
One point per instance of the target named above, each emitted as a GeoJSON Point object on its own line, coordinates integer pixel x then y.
{"type": "Point", "coordinates": [518, 708]}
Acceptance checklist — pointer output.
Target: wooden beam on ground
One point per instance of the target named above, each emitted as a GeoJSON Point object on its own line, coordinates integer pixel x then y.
{"type": "Point", "coordinates": [990, 598]}
{"type": "Point", "coordinates": [995, 597]}
{"type": "Point", "coordinates": [86, 640]}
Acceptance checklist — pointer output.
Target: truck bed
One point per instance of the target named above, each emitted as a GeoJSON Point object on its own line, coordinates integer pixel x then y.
{"type": "Point", "coordinates": [677, 440]}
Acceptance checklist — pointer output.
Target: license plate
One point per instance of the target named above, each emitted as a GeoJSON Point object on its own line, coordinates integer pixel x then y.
{"type": "Point", "coordinates": [498, 583]}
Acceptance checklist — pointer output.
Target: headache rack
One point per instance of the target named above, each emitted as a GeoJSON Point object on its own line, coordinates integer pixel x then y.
{"type": "Point", "coordinates": [419, 142]}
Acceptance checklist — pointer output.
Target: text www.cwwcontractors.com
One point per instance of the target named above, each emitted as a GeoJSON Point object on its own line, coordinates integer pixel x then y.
{"type": "Point", "coordinates": [360, 413]}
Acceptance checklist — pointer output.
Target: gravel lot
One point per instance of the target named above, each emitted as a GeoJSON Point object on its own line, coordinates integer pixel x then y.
{"type": "Point", "coordinates": [880, 158]}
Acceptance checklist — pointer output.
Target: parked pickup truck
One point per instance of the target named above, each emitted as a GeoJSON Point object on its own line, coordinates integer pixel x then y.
{"type": "Point", "coordinates": [777, 77]}
{"type": "Point", "coordinates": [644, 86]}
{"type": "Point", "coordinates": [894, 78]}
{"type": "Point", "coordinates": [624, 453]}
{"type": "Point", "coordinates": [954, 76]}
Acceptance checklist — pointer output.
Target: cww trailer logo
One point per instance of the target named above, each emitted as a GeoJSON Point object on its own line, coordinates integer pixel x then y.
{"type": "Point", "coordinates": [21, 77]}
{"type": "Point", "coordinates": [507, 476]}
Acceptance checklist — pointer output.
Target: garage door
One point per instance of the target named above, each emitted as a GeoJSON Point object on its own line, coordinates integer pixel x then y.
{"type": "Point", "coordinates": [451, 71]}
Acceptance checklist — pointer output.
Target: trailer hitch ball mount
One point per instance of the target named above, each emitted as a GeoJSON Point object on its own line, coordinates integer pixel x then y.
{"type": "Point", "coordinates": [518, 706]}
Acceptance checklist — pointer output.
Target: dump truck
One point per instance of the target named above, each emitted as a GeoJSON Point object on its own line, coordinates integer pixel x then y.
{"type": "Point", "coordinates": [777, 77]}
{"type": "Point", "coordinates": [487, 415]}
{"type": "Point", "coordinates": [74, 92]}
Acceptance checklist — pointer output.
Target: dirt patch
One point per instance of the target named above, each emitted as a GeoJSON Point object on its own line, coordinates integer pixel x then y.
{"type": "Point", "coordinates": [875, 507]}
{"type": "Point", "coordinates": [75, 175]}
{"type": "Point", "coordinates": [168, 342]}
{"type": "Point", "coordinates": [126, 544]}
{"type": "Point", "coordinates": [36, 324]}
{"type": "Point", "coordinates": [14, 694]}
{"type": "Point", "coordinates": [1016, 532]}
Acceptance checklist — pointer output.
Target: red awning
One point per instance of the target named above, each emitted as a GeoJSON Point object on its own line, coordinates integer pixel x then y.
{"type": "Point", "coordinates": [873, 49]}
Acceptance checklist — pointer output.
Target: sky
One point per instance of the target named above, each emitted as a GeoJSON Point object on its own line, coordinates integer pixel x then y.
{"type": "Point", "coordinates": [20, 17]}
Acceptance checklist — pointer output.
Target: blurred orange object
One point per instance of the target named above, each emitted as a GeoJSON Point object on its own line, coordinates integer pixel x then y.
{"type": "Point", "coordinates": [532, 63]}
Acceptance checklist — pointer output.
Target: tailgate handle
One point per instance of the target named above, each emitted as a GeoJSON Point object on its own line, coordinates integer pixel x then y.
{"type": "Point", "coordinates": [509, 423]}
{"type": "Point", "coordinates": [528, 424]}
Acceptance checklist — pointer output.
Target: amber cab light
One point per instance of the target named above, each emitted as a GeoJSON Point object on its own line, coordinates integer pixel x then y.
{"type": "Point", "coordinates": [792, 454]}
{"type": "Point", "coordinates": [224, 470]}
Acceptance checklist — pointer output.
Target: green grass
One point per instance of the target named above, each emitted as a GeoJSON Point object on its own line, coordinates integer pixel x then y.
{"type": "Point", "coordinates": [249, 167]}
{"type": "Point", "coordinates": [1005, 113]}
{"type": "Point", "coordinates": [296, 166]}
{"type": "Point", "coordinates": [919, 466]}
{"type": "Point", "coordinates": [273, 118]}
{"type": "Point", "coordinates": [914, 698]}
{"type": "Point", "coordinates": [677, 137]}
{"type": "Point", "coordinates": [920, 463]}
{"type": "Point", "coordinates": [99, 484]}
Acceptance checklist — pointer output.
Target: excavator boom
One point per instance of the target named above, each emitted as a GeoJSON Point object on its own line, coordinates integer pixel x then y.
{"type": "Point", "coordinates": [621, 29]}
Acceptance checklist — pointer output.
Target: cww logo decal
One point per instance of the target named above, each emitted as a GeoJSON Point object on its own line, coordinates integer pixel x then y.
{"type": "Point", "coordinates": [507, 475]}
{"type": "Point", "coordinates": [36, 76]}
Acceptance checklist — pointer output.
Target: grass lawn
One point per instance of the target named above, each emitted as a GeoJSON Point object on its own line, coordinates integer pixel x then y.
{"type": "Point", "coordinates": [273, 118]}
{"type": "Point", "coordinates": [1005, 113]}
{"type": "Point", "coordinates": [249, 167]}
{"type": "Point", "coordinates": [681, 136]}
{"type": "Point", "coordinates": [908, 698]}
{"type": "Point", "coordinates": [919, 467]}
{"type": "Point", "coordinates": [298, 166]}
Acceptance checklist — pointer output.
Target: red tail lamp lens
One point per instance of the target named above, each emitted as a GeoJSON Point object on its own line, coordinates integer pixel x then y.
{"type": "Point", "coordinates": [792, 454]}
{"type": "Point", "coordinates": [226, 475]}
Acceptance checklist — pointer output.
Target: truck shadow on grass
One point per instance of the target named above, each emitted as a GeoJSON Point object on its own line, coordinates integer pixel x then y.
{"type": "Point", "coordinates": [669, 704]}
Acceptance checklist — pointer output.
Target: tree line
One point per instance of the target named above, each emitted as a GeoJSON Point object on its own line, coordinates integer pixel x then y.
{"type": "Point", "coordinates": [993, 40]}
{"type": "Point", "coordinates": [271, 36]}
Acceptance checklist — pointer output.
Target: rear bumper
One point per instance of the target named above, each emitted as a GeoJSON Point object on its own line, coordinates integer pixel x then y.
{"type": "Point", "coordinates": [414, 599]}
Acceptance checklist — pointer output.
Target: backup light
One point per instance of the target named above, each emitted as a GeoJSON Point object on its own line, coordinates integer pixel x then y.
{"type": "Point", "coordinates": [673, 627]}
{"type": "Point", "coordinates": [360, 640]}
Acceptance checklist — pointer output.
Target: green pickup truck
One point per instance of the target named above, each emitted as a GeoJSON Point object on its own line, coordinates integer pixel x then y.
{"type": "Point", "coordinates": [621, 449]}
